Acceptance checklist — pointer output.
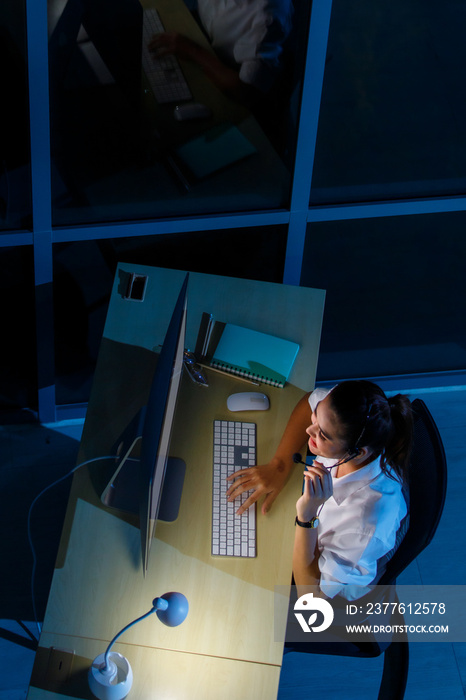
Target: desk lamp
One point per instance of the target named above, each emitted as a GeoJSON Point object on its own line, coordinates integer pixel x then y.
{"type": "Point", "coordinates": [110, 676]}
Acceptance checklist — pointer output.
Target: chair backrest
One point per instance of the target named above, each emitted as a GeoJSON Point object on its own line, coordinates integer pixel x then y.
{"type": "Point", "coordinates": [427, 490]}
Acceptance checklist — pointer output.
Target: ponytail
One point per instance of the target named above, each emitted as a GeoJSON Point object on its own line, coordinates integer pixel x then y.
{"type": "Point", "coordinates": [372, 420]}
{"type": "Point", "coordinates": [398, 450]}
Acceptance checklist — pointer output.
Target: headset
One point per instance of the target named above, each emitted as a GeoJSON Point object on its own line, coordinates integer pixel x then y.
{"type": "Point", "coordinates": [351, 454]}
{"type": "Point", "coordinates": [354, 453]}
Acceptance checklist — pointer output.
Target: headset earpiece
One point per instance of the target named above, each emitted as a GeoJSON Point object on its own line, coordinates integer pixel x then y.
{"type": "Point", "coordinates": [352, 455]}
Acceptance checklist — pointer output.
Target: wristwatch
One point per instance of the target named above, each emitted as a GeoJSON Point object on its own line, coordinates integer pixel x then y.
{"type": "Point", "coordinates": [313, 523]}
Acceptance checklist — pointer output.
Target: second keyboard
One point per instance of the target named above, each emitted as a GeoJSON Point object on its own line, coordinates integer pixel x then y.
{"type": "Point", "coordinates": [164, 74]}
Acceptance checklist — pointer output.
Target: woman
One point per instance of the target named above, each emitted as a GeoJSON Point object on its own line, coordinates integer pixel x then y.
{"type": "Point", "coordinates": [247, 37]}
{"type": "Point", "coordinates": [352, 504]}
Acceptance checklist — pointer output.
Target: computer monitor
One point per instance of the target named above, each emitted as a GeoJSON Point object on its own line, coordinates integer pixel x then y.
{"type": "Point", "coordinates": [150, 483]}
{"type": "Point", "coordinates": [114, 27]}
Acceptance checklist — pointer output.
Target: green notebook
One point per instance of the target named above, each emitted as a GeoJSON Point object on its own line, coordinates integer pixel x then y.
{"type": "Point", "coordinates": [255, 355]}
{"type": "Point", "coordinates": [214, 150]}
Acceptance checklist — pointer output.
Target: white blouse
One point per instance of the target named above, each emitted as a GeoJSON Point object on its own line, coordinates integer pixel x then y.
{"type": "Point", "coordinates": [248, 33]}
{"type": "Point", "coordinates": [358, 525]}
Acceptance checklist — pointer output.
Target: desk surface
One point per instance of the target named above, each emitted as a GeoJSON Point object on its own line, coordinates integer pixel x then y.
{"type": "Point", "coordinates": [236, 617]}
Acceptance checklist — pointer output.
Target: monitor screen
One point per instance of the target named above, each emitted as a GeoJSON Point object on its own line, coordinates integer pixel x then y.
{"type": "Point", "coordinates": [150, 483]}
{"type": "Point", "coordinates": [79, 28]}
{"type": "Point", "coordinates": [158, 422]}
{"type": "Point", "coordinates": [115, 29]}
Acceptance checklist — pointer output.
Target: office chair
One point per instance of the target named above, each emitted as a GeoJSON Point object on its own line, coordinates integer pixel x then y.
{"type": "Point", "coordinates": [427, 490]}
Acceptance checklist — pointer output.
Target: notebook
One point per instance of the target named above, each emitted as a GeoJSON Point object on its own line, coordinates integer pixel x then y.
{"type": "Point", "coordinates": [214, 150]}
{"type": "Point", "coordinates": [254, 355]}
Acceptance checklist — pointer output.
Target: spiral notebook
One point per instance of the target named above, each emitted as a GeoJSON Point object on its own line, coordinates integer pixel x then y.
{"type": "Point", "coordinates": [254, 355]}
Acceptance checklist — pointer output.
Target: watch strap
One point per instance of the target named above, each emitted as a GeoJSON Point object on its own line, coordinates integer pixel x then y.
{"type": "Point", "coordinates": [312, 523]}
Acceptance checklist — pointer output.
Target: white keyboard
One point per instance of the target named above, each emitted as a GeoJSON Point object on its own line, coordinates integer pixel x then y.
{"type": "Point", "coordinates": [164, 74]}
{"type": "Point", "coordinates": [234, 448]}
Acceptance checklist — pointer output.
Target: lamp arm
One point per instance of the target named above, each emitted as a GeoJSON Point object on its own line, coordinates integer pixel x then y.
{"type": "Point", "coordinates": [158, 604]}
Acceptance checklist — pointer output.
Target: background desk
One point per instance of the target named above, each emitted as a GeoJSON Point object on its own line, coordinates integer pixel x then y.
{"type": "Point", "coordinates": [235, 615]}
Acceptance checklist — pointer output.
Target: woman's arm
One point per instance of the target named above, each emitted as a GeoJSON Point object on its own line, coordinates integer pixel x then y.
{"type": "Point", "coordinates": [268, 479]}
{"type": "Point", "coordinates": [225, 78]}
{"type": "Point", "coordinates": [317, 489]}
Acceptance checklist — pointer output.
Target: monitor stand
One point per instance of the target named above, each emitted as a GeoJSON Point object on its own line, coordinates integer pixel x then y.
{"type": "Point", "coordinates": [123, 493]}
{"type": "Point", "coordinates": [172, 489]}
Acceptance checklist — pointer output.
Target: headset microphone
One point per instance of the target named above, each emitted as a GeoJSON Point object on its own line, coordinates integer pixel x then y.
{"type": "Point", "coordinates": [298, 460]}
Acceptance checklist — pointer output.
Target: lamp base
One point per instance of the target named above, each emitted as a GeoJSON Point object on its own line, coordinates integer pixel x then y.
{"type": "Point", "coordinates": [113, 683]}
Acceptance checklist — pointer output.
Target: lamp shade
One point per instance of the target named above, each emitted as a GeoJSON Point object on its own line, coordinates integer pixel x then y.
{"type": "Point", "coordinates": [176, 610]}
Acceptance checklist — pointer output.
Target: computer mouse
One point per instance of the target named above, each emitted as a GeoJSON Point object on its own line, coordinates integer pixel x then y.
{"type": "Point", "coordinates": [191, 110]}
{"type": "Point", "coordinates": [248, 401]}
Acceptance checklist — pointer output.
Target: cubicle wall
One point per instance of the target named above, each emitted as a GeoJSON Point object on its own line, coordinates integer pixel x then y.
{"type": "Point", "coordinates": [355, 184]}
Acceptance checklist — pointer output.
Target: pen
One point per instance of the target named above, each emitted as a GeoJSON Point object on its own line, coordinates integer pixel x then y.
{"type": "Point", "coordinates": [208, 333]}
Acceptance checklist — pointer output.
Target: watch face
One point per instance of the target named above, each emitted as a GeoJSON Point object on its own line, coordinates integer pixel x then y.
{"type": "Point", "coordinates": [315, 522]}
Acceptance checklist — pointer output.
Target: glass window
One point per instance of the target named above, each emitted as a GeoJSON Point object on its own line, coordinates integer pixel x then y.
{"type": "Point", "coordinates": [15, 173]}
{"type": "Point", "coordinates": [81, 290]}
{"type": "Point", "coordinates": [17, 317]}
{"type": "Point", "coordinates": [121, 153]}
{"type": "Point", "coordinates": [393, 106]}
{"type": "Point", "coordinates": [396, 294]}
{"type": "Point", "coordinates": [83, 278]}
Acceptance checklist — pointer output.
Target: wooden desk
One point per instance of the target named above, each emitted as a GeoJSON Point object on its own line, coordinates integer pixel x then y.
{"type": "Point", "coordinates": [236, 617]}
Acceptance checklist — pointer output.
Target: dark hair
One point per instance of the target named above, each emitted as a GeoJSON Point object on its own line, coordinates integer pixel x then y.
{"type": "Point", "coordinates": [370, 419]}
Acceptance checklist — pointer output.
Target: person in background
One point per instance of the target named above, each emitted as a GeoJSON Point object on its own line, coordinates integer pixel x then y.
{"type": "Point", "coordinates": [247, 38]}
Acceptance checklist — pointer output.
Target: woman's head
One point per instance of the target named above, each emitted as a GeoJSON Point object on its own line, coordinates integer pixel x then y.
{"type": "Point", "coordinates": [368, 419]}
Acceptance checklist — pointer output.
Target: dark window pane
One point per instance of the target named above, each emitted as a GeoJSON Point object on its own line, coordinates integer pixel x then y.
{"type": "Point", "coordinates": [393, 104]}
{"type": "Point", "coordinates": [15, 172]}
{"type": "Point", "coordinates": [396, 294]}
{"type": "Point", "coordinates": [17, 317]}
{"type": "Point", "coordinates": [119, 154]}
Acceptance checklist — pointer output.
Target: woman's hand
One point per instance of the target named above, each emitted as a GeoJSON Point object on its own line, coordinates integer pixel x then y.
{"type": "Point", "coordinates": [318, 487]}
{"type": "Point", "coordinates": [172, 43]}
{"type": "Point", "coordinates": [222, 75]}
{"type": "Point", "coordinates": [266, 480]}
